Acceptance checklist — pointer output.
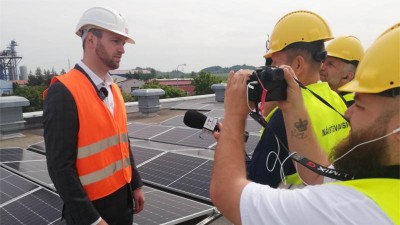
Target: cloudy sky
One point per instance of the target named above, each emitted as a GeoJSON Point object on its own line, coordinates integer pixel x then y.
{"type": "Point", "coordinates": [198, 33]}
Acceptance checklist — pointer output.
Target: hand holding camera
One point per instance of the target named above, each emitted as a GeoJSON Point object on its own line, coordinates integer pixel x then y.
{"type": "Point", "coordinates": [269, 78]}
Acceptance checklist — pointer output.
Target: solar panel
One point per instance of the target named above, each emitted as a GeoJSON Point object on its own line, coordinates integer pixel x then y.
{"type": "Point", "coordinates": [198, 152]}
{"type": "Point", "coordinates": [216, 113]}
{"type": "Point", "coordinates": [187, 106]}
{"type": "Point", "coordinates": [148, 132]}
{"type": "Point", "coordinates": [13, 186]}
{"type": "Point", "coordinates": [38, 147]}
{"type": "Point", "coordinates": [158, 145]}
{"type": "Point", "coordinates": [251, 143]}
{"type": "Point", "coordinates": [142, 155]}
{"type": "Point", "coordinates": [199, 139]}
{"type": "Point", "coordinates": [165, 208]}
{"type": "Point", "coordinates": [18, 154]}
{"type": "Point", "coordinates": [176, 121]}
{"type": "Point", "coordinates": [213, 106]}
{"type": "Point", "coordinates": [252, 126]}
{"type": "Point", "coordinates": [174, 135]}
{"type": "Point", "coordinates": [169, 167]}
{"type": "Point", "coordinates": [134, 127]}
{"type": "Point", "coordinates": [39, 207]}
{"type": "Point", "coordinates": [197, 182]}
{"type": "Point", "coordinates": [182, 173]}
{"type": "Point", "coordinates": [33, 170]}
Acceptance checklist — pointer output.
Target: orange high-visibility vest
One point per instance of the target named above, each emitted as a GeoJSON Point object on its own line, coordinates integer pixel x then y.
{"type": "Point", "coordinates": [102, 162]}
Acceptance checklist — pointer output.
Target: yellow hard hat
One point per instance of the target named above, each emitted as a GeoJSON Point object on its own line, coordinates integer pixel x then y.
{"type": "Point", "coordinates": [379, 69]}
{"type": "Point", "coordinates": [298, 26]}
{"type": "Point", "coordinates": [345, 47]}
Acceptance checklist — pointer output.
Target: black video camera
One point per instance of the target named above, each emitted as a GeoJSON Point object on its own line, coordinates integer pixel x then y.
{"type": "Point", "coordinates": [272, 79]}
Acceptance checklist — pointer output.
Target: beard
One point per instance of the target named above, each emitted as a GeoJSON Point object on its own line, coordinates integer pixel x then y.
{"type": "Point", "coordinates": [102, 54]}
{"type": "Point", "coordinates": [365, 161]}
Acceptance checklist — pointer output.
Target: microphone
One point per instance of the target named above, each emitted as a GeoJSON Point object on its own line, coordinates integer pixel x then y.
{"type": "Point", "coordinates": [197, 120]}
{"type": "Point", "coordinates": [103, 93]}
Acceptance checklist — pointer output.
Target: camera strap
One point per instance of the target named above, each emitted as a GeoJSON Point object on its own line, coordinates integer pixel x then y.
{"type": "Point", "coordinates": [322, 100]}
{"type": "Point", "coordinates": [313, 166]}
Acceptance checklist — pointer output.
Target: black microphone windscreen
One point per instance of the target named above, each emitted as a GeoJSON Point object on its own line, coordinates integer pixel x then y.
{"type": "Point", "coordinates": [194, 119]}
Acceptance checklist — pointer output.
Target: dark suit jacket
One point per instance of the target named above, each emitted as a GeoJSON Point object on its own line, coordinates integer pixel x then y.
{"type": "Point", "coordinates": [61, 126]}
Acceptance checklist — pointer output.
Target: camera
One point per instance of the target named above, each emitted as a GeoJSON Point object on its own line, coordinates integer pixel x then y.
{"type": "Point", "coordinates": [272, 79]}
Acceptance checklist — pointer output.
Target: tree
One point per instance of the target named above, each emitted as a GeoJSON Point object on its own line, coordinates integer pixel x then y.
{"type": "Point", "coordinates": [202, 83]}
{"type": "Point", "coordinates": [128, 97]}
{"type": "Point", "coordinates": [38, 72]}
{"type": "Point", "coordinates": [34, 94]}
{"type": "Point", "coordinates": [53, 72]}
{"type": "Point", "coordinates": [170, 92]}
{"type": "Point", "coordinates": [40, 79]}
{"type": "Point", "coordinates": [193, 74]}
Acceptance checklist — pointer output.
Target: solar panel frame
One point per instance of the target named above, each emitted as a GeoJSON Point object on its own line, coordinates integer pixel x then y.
{"type": "Point", "coordinates": [32, 170]}
{"type": "Point", "coordinates": [253, 126]}
{"type": "Point", "coordinates": [133, 127]}
{"type": "Point", "coordinates": [200, 139]}
{"type": "Point", "coordinates": [216, 113]}
{"type": "Point", "coordinates": [196, 183]}
{"type": "Point", "coordinates": [159, 145]}
{"type": "Point", "coordinates": [148, 132]}
{"type": "Point", "coordinates": [174, 135]}
{"type": "Point", "coordinates": [251, 144]}
{"type": "Point", "coordinates": [38, 147]}
{"type": "Point", "coordinates": [164, 171]}
{"type": "Point", "coordinates": [13, 186]}
{"type": "Point", "coordinates": [188, 106]}
{"type": "Point", "coordinates": [141, 154]}
{"type": "Point", "coordinates": [179, 209]}
{"type": "Point", "coordinates": [212, 106]}
{"type": "Point", "coordinates": [18, 154]}
{"type": "Point", "coordinates": [171, 170]}
{"type": "Point", "coordinates": [39, 207]}
{"type": "Point", "coordinates": [176, 121]}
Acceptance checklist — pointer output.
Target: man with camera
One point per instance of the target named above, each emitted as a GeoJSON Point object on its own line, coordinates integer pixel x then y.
{"type": "Point", "coordinates": [298, 41]}
{"type": "Point", "coordinates": [339, 67]}
{"type": "Point", "coordinates": [370, 153]}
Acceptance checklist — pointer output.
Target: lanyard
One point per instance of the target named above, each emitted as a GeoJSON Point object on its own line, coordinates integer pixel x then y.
{"type": "Point", "coordinates": [313, 166]}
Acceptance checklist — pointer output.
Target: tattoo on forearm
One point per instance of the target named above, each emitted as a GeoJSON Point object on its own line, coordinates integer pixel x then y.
{"type": "Point", "coordinates": [300, 128]}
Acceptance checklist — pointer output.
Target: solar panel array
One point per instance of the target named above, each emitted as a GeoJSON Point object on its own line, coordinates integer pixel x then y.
{"type": "Point", "coordinates": [25, 202]}
{"type": "Point", "coordinates": [28, 196]}
{"type": "Point", "coordinates": [186, 136]}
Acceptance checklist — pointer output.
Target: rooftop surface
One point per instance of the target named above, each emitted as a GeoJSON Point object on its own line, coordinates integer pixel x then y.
{"type": "Point", "coordinates": [174, 161]}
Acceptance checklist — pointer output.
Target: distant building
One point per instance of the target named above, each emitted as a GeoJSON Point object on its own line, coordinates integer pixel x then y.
{"type": "Point", "coordinates": [184, 84]}
{"type": "Point", "coordinates": [123, 73]}
{"type": "Point", "coordinates": [127, 86]}
{"type": "Point", "coordinates": [6, 87]}
{"type": "Point", "coordinates": [118, 79]}
{"type": "Point", "coordinates": [20, 82]}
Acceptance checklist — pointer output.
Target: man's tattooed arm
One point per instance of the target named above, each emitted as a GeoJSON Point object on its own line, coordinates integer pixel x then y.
{"type": "Point", "coordinates": [300, 128]}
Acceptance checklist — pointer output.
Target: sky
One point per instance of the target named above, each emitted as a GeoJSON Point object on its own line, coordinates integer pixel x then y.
{"type": "Point", "coordinates": [169, 33]}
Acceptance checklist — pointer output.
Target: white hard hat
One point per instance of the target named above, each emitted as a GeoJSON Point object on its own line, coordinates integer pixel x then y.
{"type": "Point", "coordinates": [103, 18]}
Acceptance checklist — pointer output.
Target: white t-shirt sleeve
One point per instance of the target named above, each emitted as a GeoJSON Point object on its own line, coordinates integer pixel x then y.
{"type": "Point", "coordinates": [320, 204]}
